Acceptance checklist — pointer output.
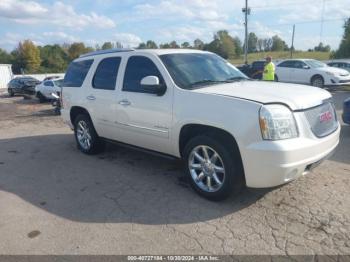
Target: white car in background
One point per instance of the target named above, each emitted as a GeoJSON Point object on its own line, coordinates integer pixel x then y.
{"type": "Point", "coordinates": [45, 89]}
{"type": "Point", "coordinates": [309, 71]}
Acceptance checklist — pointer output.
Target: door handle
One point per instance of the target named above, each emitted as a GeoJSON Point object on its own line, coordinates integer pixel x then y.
{"type": "Point", "coordinates": [91, 97]}
{"type": "Point", "coordinates": [124, 102]}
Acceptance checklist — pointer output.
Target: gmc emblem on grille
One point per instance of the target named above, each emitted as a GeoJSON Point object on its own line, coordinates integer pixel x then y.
{"type": "Point", "coordinates": [326, 116]}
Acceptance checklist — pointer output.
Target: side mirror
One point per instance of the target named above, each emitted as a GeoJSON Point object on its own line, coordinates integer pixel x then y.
{"type": "Point", "coordinates": [306, 67]}
{"type": "Point", "coordinates": [151, 85]}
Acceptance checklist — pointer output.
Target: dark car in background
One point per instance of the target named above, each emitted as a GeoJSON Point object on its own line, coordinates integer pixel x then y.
{"type": "Point", "coordinates": [22, 85]}
{"type": "Point", "coordinates": [254, 70]}
{"type": "Point", "coordinates": [346, 111]}
{"type": "Point", "coordinates": [341, 64]}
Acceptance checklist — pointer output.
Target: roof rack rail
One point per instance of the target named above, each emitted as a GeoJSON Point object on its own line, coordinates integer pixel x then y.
{"type": "Point", "coordinates": [107, 51]}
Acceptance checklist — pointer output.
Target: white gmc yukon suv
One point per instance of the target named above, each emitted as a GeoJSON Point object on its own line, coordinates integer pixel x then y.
{"type": "Point", "coordinates": [194, 105]}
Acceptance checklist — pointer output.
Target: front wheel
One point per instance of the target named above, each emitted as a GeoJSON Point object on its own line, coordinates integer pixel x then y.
{"type": "Point", "coordinates": [214, 170]}
{"type": "Point", "coordinates": [86, 137]}
{"type": "Point", "coordinates": [42, 98]}
{"type": "Point", "coordinates": [317, 81]}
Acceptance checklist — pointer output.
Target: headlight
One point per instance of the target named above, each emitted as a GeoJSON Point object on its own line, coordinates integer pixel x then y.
{"type": "Point", "coordinates": [277, 122]}
{"type": "Point", "coordinates": [330, 73]}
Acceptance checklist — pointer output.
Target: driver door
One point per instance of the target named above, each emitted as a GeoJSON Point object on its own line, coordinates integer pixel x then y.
{"type": "Point", "coordinates": [143, 118]}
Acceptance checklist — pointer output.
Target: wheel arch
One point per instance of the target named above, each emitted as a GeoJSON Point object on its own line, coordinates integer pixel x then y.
{"type": "Point", "coordinates": [316, 75]}
{"type": "Point", "coordinates": [189, 131]}
{"type": "Point", "coordinates": [77, 110]}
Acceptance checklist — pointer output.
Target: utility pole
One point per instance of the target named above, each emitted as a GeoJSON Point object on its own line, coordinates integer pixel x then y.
{"type": "Point", "coordinates": [246, 12]}
{"type": "Point", "coordinates": [292, 47]}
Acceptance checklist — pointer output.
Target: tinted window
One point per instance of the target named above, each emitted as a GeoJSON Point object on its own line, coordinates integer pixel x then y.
{"type": "Point", "coordinates": [137, 68]}
{"type": "Point", "coordinates": [48, 83]}
{"type": "Point", "coordinates": [106, 73]}
{"type": "Point", "coordinates": [76, 73]}
{"type": "Point", "coordinates": [258, 65]}
{"type": "Point", "coordinates": [298, 64]}
{"type": "Point", "coordinates": [286, 64]}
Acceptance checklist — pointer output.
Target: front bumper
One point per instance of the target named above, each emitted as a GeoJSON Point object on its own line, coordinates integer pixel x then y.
{"type": "Point", "coordinates": [273, 163]}
{"type": "Point", "coordinates": [337, 81]}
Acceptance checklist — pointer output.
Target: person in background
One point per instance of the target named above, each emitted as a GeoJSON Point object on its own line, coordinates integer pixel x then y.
{"type": "Point", "coordinates": [269, 70]}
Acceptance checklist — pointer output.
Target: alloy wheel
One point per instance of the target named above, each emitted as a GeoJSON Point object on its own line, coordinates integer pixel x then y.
{"type": "Point", "coordinates": [206, 168]}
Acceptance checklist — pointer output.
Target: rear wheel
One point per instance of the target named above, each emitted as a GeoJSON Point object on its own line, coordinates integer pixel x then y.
{"type": "Point", "coordinates": [86, 137]}
{"type": "Point", "coordinates": [317, 81]}
{"type": "Point", "coordinates": [213, 169]}
{"type": "Point", "coordinates": [10, 91]}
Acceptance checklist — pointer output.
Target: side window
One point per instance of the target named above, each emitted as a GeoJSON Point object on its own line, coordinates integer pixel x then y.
{"type": "Point", "coordinates": [137, 68]}
{"type": "Point", "coordinates": [48, 83]}
{"type": "Point", "coordinates": [285, 64]}
{"type": "Point", "coordinates": [299, 64]}
{"type": "Point", "coordinates": [106, 73]}
{"type": "Point", "coordinates": [76, 73]}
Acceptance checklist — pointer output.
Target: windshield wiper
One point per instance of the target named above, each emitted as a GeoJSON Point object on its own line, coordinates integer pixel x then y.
{"type": "Point", "coordinates": [205, 82]}
{"type": "Point", "coordinates": [236, 78]}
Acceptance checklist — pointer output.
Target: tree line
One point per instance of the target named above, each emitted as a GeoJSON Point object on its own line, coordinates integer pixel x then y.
{"type": "Point", "coordinates": [29, 58]}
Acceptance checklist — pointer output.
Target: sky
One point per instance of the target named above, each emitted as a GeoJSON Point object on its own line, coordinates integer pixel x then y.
{"type": "Point", "coordinates": [133, 21]}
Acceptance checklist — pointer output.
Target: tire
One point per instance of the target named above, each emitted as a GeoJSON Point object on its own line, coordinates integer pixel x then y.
{"type": "Point", "coordinates": [317, 81]}
{"type": "Point", "coordinates": [227, 168]}
{"type": "Point", "coordinates": [10, 91]}
{"type": "Point", "coordinates": [42, 98]}
{"type": "Point", "coordinates": [86, 137]}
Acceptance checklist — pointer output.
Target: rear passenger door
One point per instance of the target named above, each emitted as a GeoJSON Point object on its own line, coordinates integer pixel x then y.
{"type": "Point", "coordinates": [143, 119]}
{"type": "Point", "coordinates": [283, 71]}
{"type": "Point", "coordinates": [101, 95]}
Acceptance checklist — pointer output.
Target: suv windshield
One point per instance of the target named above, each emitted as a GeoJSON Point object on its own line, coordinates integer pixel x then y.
{"type": "Point", "coordinates": [195, 70]}
{"type": "Point", "coordinates": [315, 63]}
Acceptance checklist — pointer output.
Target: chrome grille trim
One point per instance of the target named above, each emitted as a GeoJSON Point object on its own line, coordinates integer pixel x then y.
{"type": "Point", "coordinates": [318, 127]}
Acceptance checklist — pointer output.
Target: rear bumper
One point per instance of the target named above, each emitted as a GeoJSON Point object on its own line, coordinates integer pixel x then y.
{"type": "Point", "coordinates": [273, 163]}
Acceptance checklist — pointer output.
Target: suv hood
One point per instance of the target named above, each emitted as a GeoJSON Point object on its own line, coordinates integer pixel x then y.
{"type": "Point", "coordinates": [297, 97]}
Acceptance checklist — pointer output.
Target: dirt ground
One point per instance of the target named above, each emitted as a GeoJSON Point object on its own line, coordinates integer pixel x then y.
{"type": "Point", "coordinates": [56, 200]}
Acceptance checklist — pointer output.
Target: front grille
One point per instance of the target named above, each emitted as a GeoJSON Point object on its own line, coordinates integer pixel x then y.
{"type": "Point", "coordinates": [322, 119]}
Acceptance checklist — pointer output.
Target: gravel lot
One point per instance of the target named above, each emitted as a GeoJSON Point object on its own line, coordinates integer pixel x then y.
{"type": "Point", "coordinates": [55, 200]}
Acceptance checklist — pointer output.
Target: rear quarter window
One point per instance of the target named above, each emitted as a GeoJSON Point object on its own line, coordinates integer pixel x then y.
{"type": "Point", "coordinates": [76, 73]}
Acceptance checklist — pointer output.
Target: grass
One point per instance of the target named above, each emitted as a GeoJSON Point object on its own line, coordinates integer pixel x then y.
{"type": "Point", "coordinates": [281, 55]}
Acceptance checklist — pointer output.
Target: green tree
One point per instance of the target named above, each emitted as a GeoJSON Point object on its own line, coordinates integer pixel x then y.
{"type": "Point", "coordinates": [54, 59]}
{"type": "Point", "coordinates": [322, 48]}
{"type": "Point", "coordinates": [278, 44]}
{"type": "Point", "coordinates": [198, 44]}
{"type": "Point", "coordinates": [107, 45]}
{"type": "Point", "coordinates": [151, 44]}
{"type": "Point", "coordinates": [27, 56]}
{"type": "Point", "coordinates": [238, 46]}
{"type": "Point", "coordinates": [77, 49]}
{"type": "Point", "coordinates": [185, 45]}
{"type": "Point", "coordinates": [252, 42]}
{"type": "Point", "coordinates": [165, 46]}
{"type": "Point", "coordinates": [5, 57]}
{"type": "Point", "coordinates": [344, 47]}
{"type": "Point", "coordinates": [142, 46]}
{"type": "Point", "coordinates": [223, 45]}
{"type": "Point", "coordinates": [173, 44]}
